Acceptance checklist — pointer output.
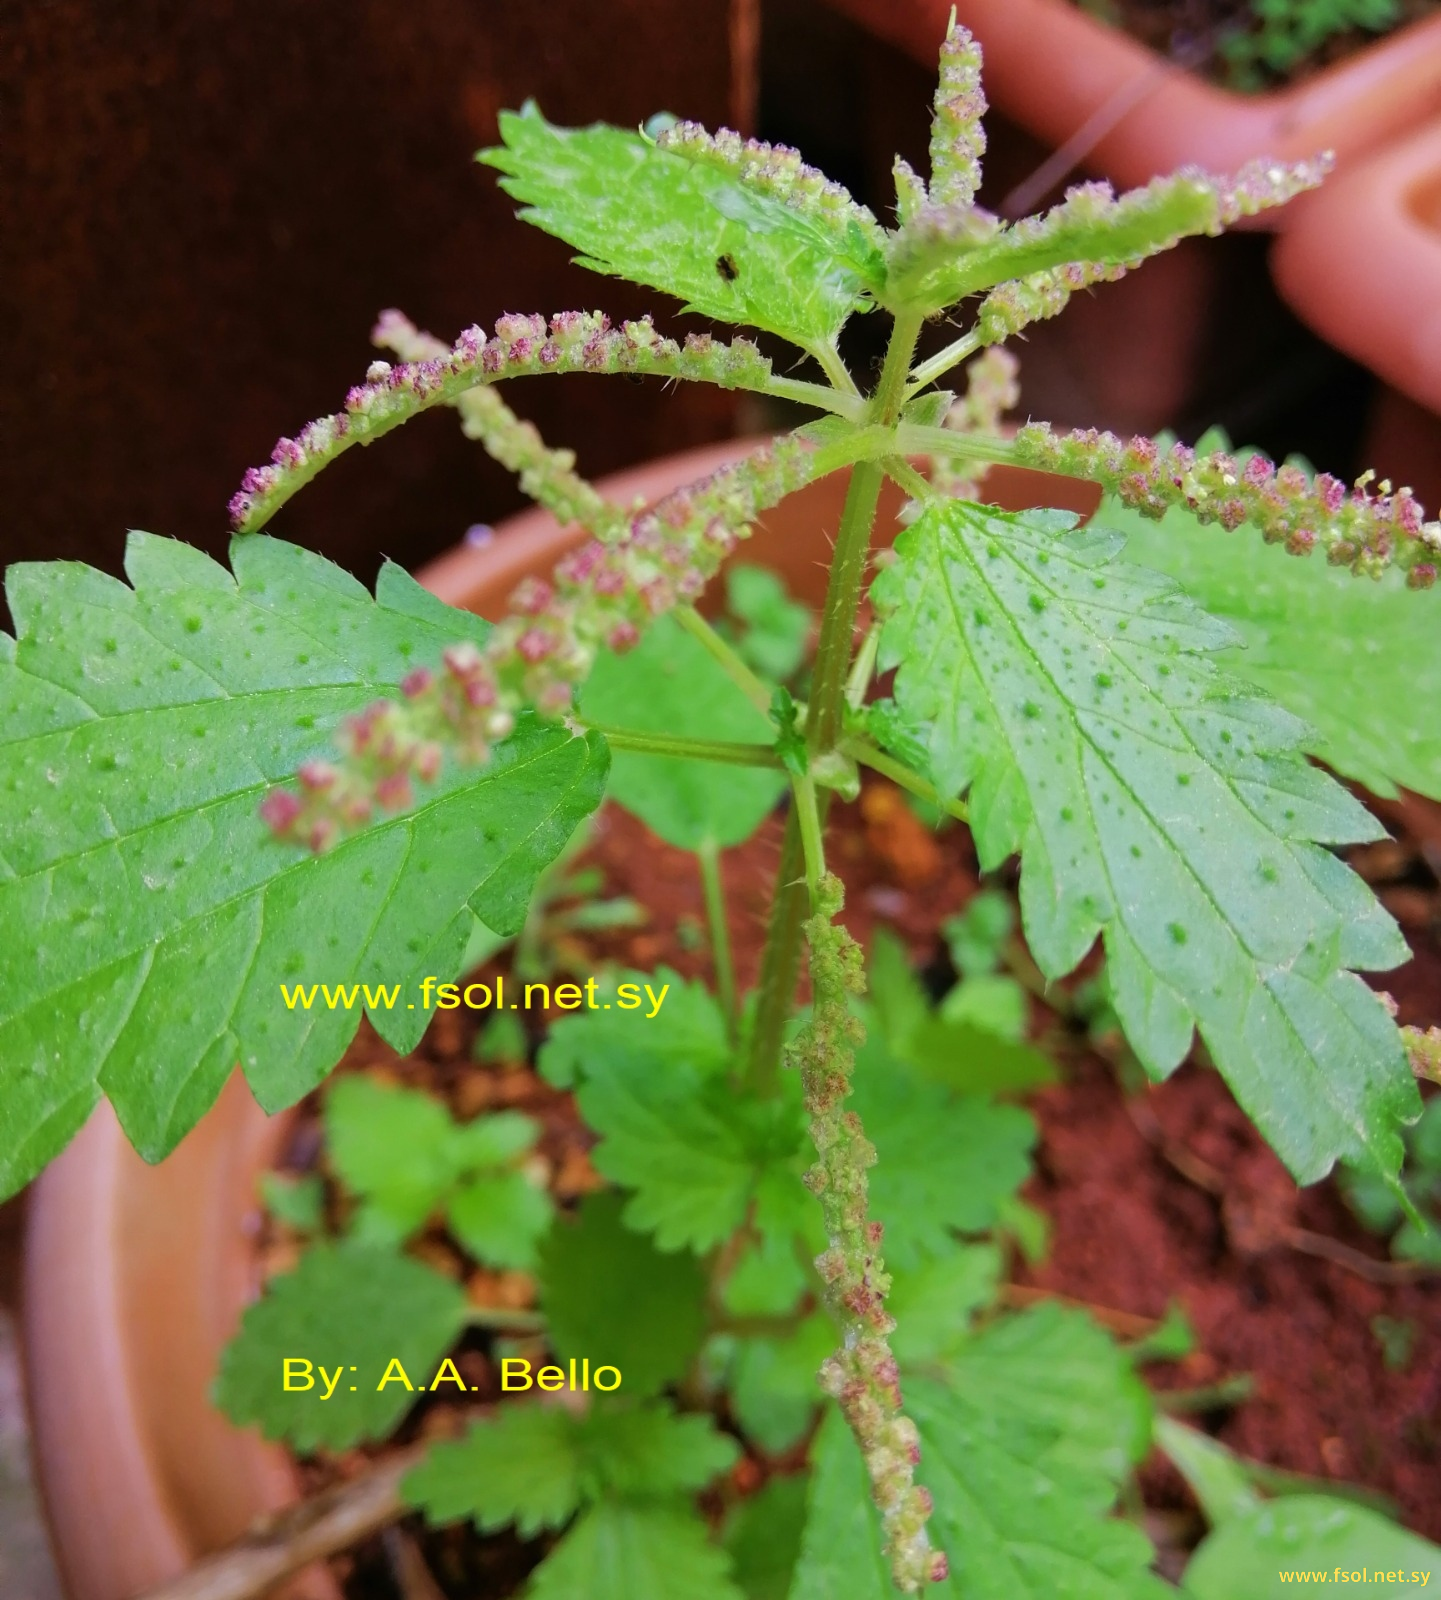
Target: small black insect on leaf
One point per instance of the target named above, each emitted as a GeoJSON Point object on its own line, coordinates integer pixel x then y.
{"type": "Point", "coordinates": [726, 266]}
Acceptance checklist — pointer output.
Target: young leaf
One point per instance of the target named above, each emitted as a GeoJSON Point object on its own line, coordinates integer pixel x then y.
{"type": "Point", "coordinates": [500, 1217]}
{"type": "Point", "coordinates": [776, 627]}
{"type": "Point", "coordinates": [689, 228]}
{"type": "Point", "coordinates": [687, 1027]}
{"type": "Point", "coordinates": [1302, 1538]}
{"type": "Point", "coordinates": [933, 1304]}
{"type": "Point", "coordinates": [945, 1161]}
{"type": "Point", "coordinates": [1344, 656]}
{"type": "Point", "coordinates": [522, 1466]}
{"type": "Point", "coordinates": [635, 1552]}
{"type": "Point", "coordinates": [534, 1466]}
{"type": "Point", "coordinates": [154, 917]}
{"type": "Point", "coordinates": [773, 1387]}
{"type": "Point", "coordinates": [610, 1295]}
{"type": "Point", "coordinates": [763, 1536]}
{"type": "Point", "coordinates": [298, 1202]}
{"type": "Point", "coordinates": [393, 1148]}
{"type": "Point", "coordinates": [690, 1149]}
{"type": "Point", "coordinates": [671, 684]}
{"type": "Point", "coordinates": [401, 1153]}
{"type": "Point", "coordinates": [1157, 803]}
{"type": "Point", "coordinates": [349, 1307]}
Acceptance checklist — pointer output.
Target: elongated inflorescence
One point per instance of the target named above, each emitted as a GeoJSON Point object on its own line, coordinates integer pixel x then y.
{"type": "Point", "coordinates": [602, 596]}
{"type": "Point", "coordinates": [781, 173]}
{"type": "Point", "coordinates": [958, 140]}
{"type": "Point", "coordinates": [573, 341]}
{"type": "Point", "coordinates": [1355, 527]}
{"type": "Point", "coordinates": [862, 1375]}
{"type": "Point", "coordinates": [547, 476]}
{"type": "Point", "coordinates": [1091, 227]}
{"type": "Point", "coordinates": [992, 389]}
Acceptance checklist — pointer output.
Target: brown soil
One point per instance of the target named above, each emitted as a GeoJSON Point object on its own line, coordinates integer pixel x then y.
{"type": "Point", "coordinates": [1194, 33]}
{"type": "Point", "coordinates": [1163, 1196]}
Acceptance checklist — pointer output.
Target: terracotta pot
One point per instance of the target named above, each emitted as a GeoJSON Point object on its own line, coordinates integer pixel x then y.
{"type": "Point", "coordinates": [1052, 68]}
{"type": "Point", "coordinates": [137, 1275]}
{"type": "Point", "coordinates": [1361, 263]}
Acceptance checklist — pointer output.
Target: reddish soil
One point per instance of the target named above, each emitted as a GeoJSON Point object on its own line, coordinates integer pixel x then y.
{"type": "Point", "coordinates": [1164, 1195]}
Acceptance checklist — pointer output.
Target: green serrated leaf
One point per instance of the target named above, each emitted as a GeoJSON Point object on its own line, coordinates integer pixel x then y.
{"type": "Point", "coordinates": [842, 1554]}
{"type": "Point", "coordinates": [671, 684]}
{"type": "Point", "coordinates": [691, 1151]}
{"type": "Point", "coordinates": [763, 1536]}
{"type": "Point", "coordinates": [631, 1552]}
{"type": "Point", "coordinates": [977, 937]}
{"type": "Point", "coordinates": [671, 1128]}
{"type": "Point", "coordinates": [521, 1467]}
{"type": "Point", "coordinates": [391, 1147]}
{"type": "Point", "coordinates": [1344, 656]}
{"type": "Point", "coordinates": [945, 1161]}
{"type": "Point", "coordinates": [1268, 1551]}
{"type": "Point", "coordinates": [687, 228]}
{"type": "Point", "coordinates": [688, 1027]}
{"type": "Point", "coordinates": [772, 1274]}
{"type": "Point", "coordinates": [500, 1217]}
{"type": "Point", "coordinates": [350, 1307]}
{"type": "Point", "coordinates": [776, 627]}
{"type": "Point", "coordinates": [610, 1295]}
{"type": "Point", "coordinates": [774, 1390]}
{"type": "Point", "coordinates": [156, 917]}
{"type": "Point", "coordinates": [534, 1466]}
{"type": "Point", "coordinates": [992, 1004]}
{"type": "Point", "coordinates": [933, 1303]}
{"type": "Point", "coordinates": [1159, 804]}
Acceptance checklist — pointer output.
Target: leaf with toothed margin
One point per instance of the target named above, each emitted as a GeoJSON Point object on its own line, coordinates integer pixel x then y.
{"type": "Point", "coordinates": [688, 228]}
{"type": "Point", "coordinates": [1158, 803]}
{"type": "Point", "coordinates": [1345, 656]}
{"type": "Point", "coordinates": [153, 916]}
{"type": "Point", "coordinates": [1026, 1432]}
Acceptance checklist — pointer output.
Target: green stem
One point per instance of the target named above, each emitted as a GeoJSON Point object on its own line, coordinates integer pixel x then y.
{"type": "Point", "coordinates": [863, 668]}
{"type": "Point", "coordinates": [913, 440]}
{"type": "Point", "coordinates": [853, 540]}
{"type": "Point", "coordinates": [780, 964]}
{"type": "Point", "coordinates": [713, 890]}
{"type": "Point", "coordinates": [868, 755]}
{"type": "Point", "coordinates": [942, 362]}
{"type": "Point", "coordinates": [812, 845]}
{"type": "Point", "coordinates": [836, 370]}
{"type": "Point", "coordinates": [728, 751]}
{"type": "Point", "coordinates": [908, 478]}
{"type": "Point", "coordinates": [736, 668]}
{"type": "Point", "coordinates": [847, 404]}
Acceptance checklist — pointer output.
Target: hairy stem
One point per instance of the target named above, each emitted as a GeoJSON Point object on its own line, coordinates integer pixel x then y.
{"type": "Point", "coordinates": [780, 963]}
{"type": "Point", "coordinates": [730, 752]}
{"type": "Point", "coordinates": [812, 845]}
{"type": "Point", "coordinates": [736, 669]}
{"type": "Point", "coordinates": [942, 362]}
{"type": "Point", "coordinates": [713, 890]}
{"type": "Point", "coordinates": [868, 755]}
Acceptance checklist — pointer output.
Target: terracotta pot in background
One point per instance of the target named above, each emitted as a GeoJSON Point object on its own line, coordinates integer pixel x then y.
{"type": "Point", "coordinates": [1052, 68]}
{"type": "Point", "coordinates": [137, 1275]}
{"type": "Point", "coordinates": [1361, 263]}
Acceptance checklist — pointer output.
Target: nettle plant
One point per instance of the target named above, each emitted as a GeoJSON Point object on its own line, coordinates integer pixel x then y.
{"type": "Point", "coordinates": [1073, 694]}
